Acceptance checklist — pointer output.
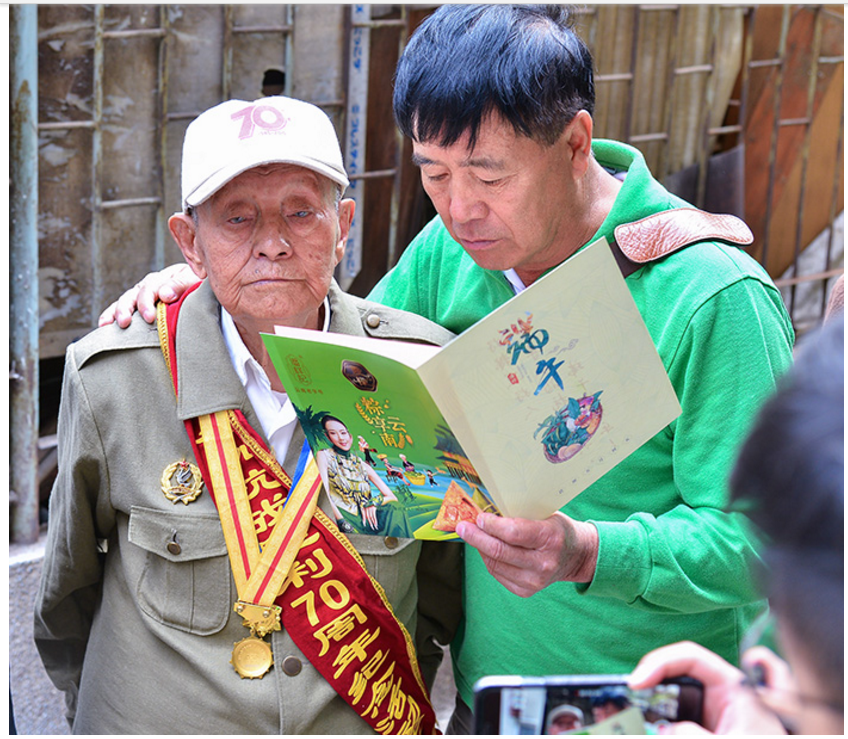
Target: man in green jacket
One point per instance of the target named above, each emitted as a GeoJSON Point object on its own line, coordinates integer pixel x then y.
{"type": "Point", "coordinates": [184, 478]}
{"type": "Point", "coordinates": [648, 554]}
{"type": "Point", "coordinates": [498, 102]}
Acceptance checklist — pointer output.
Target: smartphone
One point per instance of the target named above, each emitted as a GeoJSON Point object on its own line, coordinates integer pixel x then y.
{"type": "Point", "coordinates": [581, 704]}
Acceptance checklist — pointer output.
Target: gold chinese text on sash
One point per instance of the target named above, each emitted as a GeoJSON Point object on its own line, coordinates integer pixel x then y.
{"type": "Point", "coordinates": [293, 567]}
{"type": "Point", "coordinates": [343, 629]}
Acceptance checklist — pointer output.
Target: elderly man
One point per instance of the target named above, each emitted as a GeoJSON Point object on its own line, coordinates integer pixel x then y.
{"type": "Point", "coordinates": [563, 719]}
{"type": "Point", "coordinates": [192, 582]}
{"type": "Point", "coordinates": [498, 102]}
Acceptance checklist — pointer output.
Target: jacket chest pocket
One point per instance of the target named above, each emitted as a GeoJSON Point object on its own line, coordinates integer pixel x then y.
{"type": "Point", "coordinates": [185, 580]}
{"type": "Point", "coordinates": [390, 561]}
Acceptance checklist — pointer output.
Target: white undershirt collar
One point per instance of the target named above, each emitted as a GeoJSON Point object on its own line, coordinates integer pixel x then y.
{"type": "Point", "coordinates": [273, 409]}
{"type": "Point", "coordinates": [514, 280]}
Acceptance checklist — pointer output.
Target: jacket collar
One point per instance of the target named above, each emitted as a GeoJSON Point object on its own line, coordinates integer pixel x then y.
{"type": "Point", "coordinates": [207, 379]}
{"type": "Point", "coordinates": [345, 317]}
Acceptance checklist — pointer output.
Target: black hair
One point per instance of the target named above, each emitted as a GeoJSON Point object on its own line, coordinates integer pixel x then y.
{"type": "Point", "coordinates": [465, 62]}
{"type": "Point", "coordinates": [790, 476]}
{"type": "Point", "coordinates": [327, 418]}
{"type": "Point", "coordinates": [618, 699]}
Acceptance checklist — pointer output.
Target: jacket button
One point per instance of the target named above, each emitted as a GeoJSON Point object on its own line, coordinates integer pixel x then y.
{"type": "Point", "coordinates": [173, 546]}
{"type": "Point", "coordinates": [292, 666]}
{"type": "Point", "coordinates": [391, 542]}
{"type": "Point", "coordinates": [373, 320]}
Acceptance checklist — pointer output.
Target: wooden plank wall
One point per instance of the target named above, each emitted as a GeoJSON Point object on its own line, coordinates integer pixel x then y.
{"type": "Point", "coordinates": [680, 72]}
{"type": "Point", "coordinates": [800, 167]}
{"type": "Point", "coordinates": [678, 65]}
{"type": "Point", "coordinates": [114, 104]}
{"type": "Point", "coordinates": [116, 92]}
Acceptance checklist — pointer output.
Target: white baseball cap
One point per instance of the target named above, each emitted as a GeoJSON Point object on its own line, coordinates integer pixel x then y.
{"type": "Point", "coordinates": [238, 135]}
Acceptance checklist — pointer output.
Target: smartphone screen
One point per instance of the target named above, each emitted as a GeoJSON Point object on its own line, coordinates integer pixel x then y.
{"type": "Point", "coordinates": [581, 704]}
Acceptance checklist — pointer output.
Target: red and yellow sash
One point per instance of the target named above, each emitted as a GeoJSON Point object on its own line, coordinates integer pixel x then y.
{"type": "Point", "coordinates": [285, 552]}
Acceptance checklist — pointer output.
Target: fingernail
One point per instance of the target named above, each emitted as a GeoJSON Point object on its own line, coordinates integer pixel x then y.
{"type": "Point", "coordinates": [460, 529]}
{"type": "Point", "coordinates": [166, 293]}
{"type": "Point", "coordinates": [636, 676]}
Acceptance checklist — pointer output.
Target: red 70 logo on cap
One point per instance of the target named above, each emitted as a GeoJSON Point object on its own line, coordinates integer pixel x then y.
{"type": "Point", "coordinates": [264, 116]}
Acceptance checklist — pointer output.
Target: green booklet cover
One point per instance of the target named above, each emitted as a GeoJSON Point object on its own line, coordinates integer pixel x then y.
{"type": "Point", "coordinates": [517, 415]}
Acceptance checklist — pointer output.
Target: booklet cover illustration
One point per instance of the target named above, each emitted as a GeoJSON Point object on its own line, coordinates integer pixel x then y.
{"type": "Point", "coordinates": [389, 462]}
{"type": "Point", "coordinates": [517, 415]}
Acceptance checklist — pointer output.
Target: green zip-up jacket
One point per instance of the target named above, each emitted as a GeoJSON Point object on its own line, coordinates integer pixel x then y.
{"type": "Point", "coordinates": [672, 563]}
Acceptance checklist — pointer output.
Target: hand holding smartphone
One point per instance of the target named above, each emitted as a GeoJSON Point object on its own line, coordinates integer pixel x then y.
{"type": "Point", "coordinates": [581, 704]}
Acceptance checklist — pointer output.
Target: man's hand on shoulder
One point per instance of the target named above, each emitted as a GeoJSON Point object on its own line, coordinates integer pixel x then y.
{"type": "Point", "coordinates": [165, 286]}
{"type": "Point", "coordinates": [526, 556]}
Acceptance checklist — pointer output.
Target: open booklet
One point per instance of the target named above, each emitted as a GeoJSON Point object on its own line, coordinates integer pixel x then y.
{"type": "Point", "coordinates": [517, 415]}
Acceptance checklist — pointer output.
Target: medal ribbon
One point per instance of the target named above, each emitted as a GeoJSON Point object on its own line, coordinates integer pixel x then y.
{"type": "Point", "coordinates": [259, 572]}
{"type": "Point", "coordinates": [334, 611]}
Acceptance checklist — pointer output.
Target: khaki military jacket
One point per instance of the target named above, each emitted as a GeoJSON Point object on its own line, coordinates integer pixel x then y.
{"type": "Point", "coordinates": [139, 634]}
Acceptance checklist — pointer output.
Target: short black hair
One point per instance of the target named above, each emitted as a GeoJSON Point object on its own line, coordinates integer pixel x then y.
{"type": "Point", "coordinates": [465, 62]}
{"type": "Point", "coordinates": [618, 699]}
{"type": "Point", "coordinates": [790, 474]}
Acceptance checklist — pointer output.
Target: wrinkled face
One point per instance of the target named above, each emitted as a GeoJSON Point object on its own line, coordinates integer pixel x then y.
{"type": "Point", "coordinates": [509, 201]}
{"type": "Point", "coordinates": [268, 241]}
{"type": "Point", "coordinates": [338, 435]}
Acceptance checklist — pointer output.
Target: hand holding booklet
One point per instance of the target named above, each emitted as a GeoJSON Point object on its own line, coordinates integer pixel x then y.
{"type": "Point", "coordinates": [517, 415]}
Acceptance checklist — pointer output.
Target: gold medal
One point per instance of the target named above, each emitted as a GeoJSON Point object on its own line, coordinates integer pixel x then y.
{"type": "Point", "coordinates": [181, 482]}
{"type": "Point", "coordinates": [252, 657]}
